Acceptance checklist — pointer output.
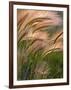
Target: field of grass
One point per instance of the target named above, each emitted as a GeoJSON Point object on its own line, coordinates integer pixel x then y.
{"type": "Point", "coordinates": [39, 45]}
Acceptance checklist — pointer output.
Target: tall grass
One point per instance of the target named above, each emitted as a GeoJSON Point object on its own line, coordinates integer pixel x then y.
{"type": "Point", "coordinates": [39, 52]}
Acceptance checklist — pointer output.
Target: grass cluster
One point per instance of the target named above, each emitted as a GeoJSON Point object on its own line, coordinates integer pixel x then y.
{"type": "Point", "coordinates": [35, 66]}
